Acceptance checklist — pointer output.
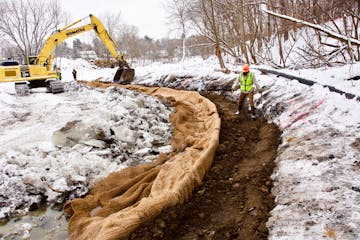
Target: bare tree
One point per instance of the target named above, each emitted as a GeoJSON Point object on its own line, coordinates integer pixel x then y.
{"type": "Point", "coordinates": [216, 35]}
{"type": "Point", "coordinates": [320, 51]}
{"type": "Point", "coordinates": [244, 32]}
{"type": "Point", "coordinates": [330, 33]}
{"type": "Point", "coordinates": [129, 42]}
{"type": "Point", "coordinates": [112, 23]}
{"type": "Point", "coordinates": [178, 16]}
{"type": "Point", "coordinates": [27, 23]}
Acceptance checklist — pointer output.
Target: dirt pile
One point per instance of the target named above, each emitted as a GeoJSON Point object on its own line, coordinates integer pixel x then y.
{"type": "Point", "coordinates": [235, 197]}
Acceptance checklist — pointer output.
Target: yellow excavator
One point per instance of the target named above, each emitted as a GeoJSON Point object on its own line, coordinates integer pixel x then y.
{"type": "Point", "coordinates": [40, 71]}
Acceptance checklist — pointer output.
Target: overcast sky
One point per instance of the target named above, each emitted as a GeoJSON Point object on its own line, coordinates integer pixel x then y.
{"type": "Point", "coordinates": [148, 15]}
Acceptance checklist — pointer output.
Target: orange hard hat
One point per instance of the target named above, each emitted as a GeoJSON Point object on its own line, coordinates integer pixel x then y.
{"type": "Point", "coordinates": [246, 68]}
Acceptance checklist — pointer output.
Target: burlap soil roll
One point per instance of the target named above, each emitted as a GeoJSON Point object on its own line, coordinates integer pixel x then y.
{"type": "Point", "coordinates": [118, 204]}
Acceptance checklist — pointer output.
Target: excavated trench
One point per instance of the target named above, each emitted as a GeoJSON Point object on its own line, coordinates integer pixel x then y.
{"type": "Point", "coordinates": [234, 199]}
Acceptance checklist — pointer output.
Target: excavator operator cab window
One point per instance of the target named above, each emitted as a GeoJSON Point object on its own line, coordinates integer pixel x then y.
{"type": "Point", "coordinates": [31, 60]}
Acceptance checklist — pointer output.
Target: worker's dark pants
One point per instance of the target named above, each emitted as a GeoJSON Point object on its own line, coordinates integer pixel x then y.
{"type": "Point", "coordinates": [242, 96]}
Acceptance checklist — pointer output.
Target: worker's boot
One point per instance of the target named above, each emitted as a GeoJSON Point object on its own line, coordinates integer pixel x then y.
{"type": "Point", "coordinates": [239, 110]}
{"type": "Point", "coordinates": [253, 114]}
{"type": "Point", "coordinates": [252, 110]}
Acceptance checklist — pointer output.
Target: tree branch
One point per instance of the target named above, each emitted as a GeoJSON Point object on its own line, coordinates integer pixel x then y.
{"type": "Point", "coordinates": [314, 26]}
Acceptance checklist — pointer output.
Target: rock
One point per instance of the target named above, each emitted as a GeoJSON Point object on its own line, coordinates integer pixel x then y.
{"type": "Point", "coordinates": [253, 213]}
{"type": "Point", "coordinates": [242, 140]}
{"type": "Point", "coordinates": [221, 148]}
{"type": "Point", "coordinates": [172, 214]}
{"type": "Point", "coordinates": [264, 189]}
{"type": "Point", "coordinates": [143, 151]}
{"type": "Point", "coordinates": [262, 228]}
{"type": "Point", "coordinates": [251, 209]}
{"type": "Point", "coordinates": [201, 233]}
{"type": "Point", "coordinates": [75, 132]}
{"type": "Point", "coordinates": [201, 192]}
{"type": "Point", "coordinates": [165, 149]}
{"type": "Point", "coordinates": [161, 223]}
{"type": "Point", "coordinates": [95, 143]}
{"type": "Point", "coordinates": [78, 178]}
{"type": "Point", "coordinates": [211, 233]}
{"type": "Point", "coordinates": [356, 144]}
{"type": "Point", "coordinates": [124, 134]}
{"type": "Point", "coordinates": [157, 233]}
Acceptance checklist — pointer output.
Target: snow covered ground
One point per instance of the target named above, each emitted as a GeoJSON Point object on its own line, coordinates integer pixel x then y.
{"type": "Point", "coordinates": [54, 147]}
{"type": "Point", "coordinates": [316, 182]}
{"type": "Point", "coordinates": [317, 176]}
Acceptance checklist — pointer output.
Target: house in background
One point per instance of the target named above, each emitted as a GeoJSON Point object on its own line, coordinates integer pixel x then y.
{"type": "Point", "coordinates": [89, 55]}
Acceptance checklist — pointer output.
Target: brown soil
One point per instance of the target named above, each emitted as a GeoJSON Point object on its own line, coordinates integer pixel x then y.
{"type": "Point", "coordinates": [235, 199]}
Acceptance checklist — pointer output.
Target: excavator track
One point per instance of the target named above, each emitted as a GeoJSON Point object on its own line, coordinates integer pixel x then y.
{"type": "Point", "coordinates": [55, 86]}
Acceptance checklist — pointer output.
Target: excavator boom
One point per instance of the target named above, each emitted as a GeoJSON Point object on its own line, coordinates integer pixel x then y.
{"type": "Point", "coordinates": [61, 35]}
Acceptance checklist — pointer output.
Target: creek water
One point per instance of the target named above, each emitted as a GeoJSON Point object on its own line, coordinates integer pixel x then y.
{"type": "Point", "coordinates": [44, 223]}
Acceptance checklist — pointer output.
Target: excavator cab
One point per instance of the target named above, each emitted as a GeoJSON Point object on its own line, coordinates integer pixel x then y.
{"type": "Point", "coordinates": [31, 60]}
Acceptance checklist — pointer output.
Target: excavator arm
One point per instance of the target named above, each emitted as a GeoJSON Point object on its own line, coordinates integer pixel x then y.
{"type": "Point", "coordinates": [45, 56]}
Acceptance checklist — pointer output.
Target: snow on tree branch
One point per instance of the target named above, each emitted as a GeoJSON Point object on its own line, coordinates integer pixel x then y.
{"type": "Point", "coordinates": [314, 26]}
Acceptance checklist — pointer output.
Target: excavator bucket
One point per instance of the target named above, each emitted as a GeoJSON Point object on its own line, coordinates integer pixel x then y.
{"type": "Point", "coordinates": [124, 75]}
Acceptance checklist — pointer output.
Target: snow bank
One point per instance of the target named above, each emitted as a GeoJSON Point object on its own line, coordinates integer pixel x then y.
{"type": "Point", "coordinates": [54, 147]}
{"type": "Point", "coordinates": [336, 76]}
{"type": "Point", "coordinates": [316, 182]}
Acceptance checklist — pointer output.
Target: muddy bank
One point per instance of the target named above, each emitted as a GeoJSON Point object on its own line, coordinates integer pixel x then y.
{"type": "Point", "coordinates": [235, 199]}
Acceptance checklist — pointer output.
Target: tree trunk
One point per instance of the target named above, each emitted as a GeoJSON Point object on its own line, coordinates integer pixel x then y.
{"type": "Point", "coordinates": [281, 53]}
{"type": "Point", "coordinates": [217, 43]}
{"type": "Point", "coordinates": [283, 23]}
{"type": "Point", "coordinates": [242, 31]}
{"type": "Point", "coordinates": [356, 20]}
{"type": "Point", "coordinates": [183, 37]}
